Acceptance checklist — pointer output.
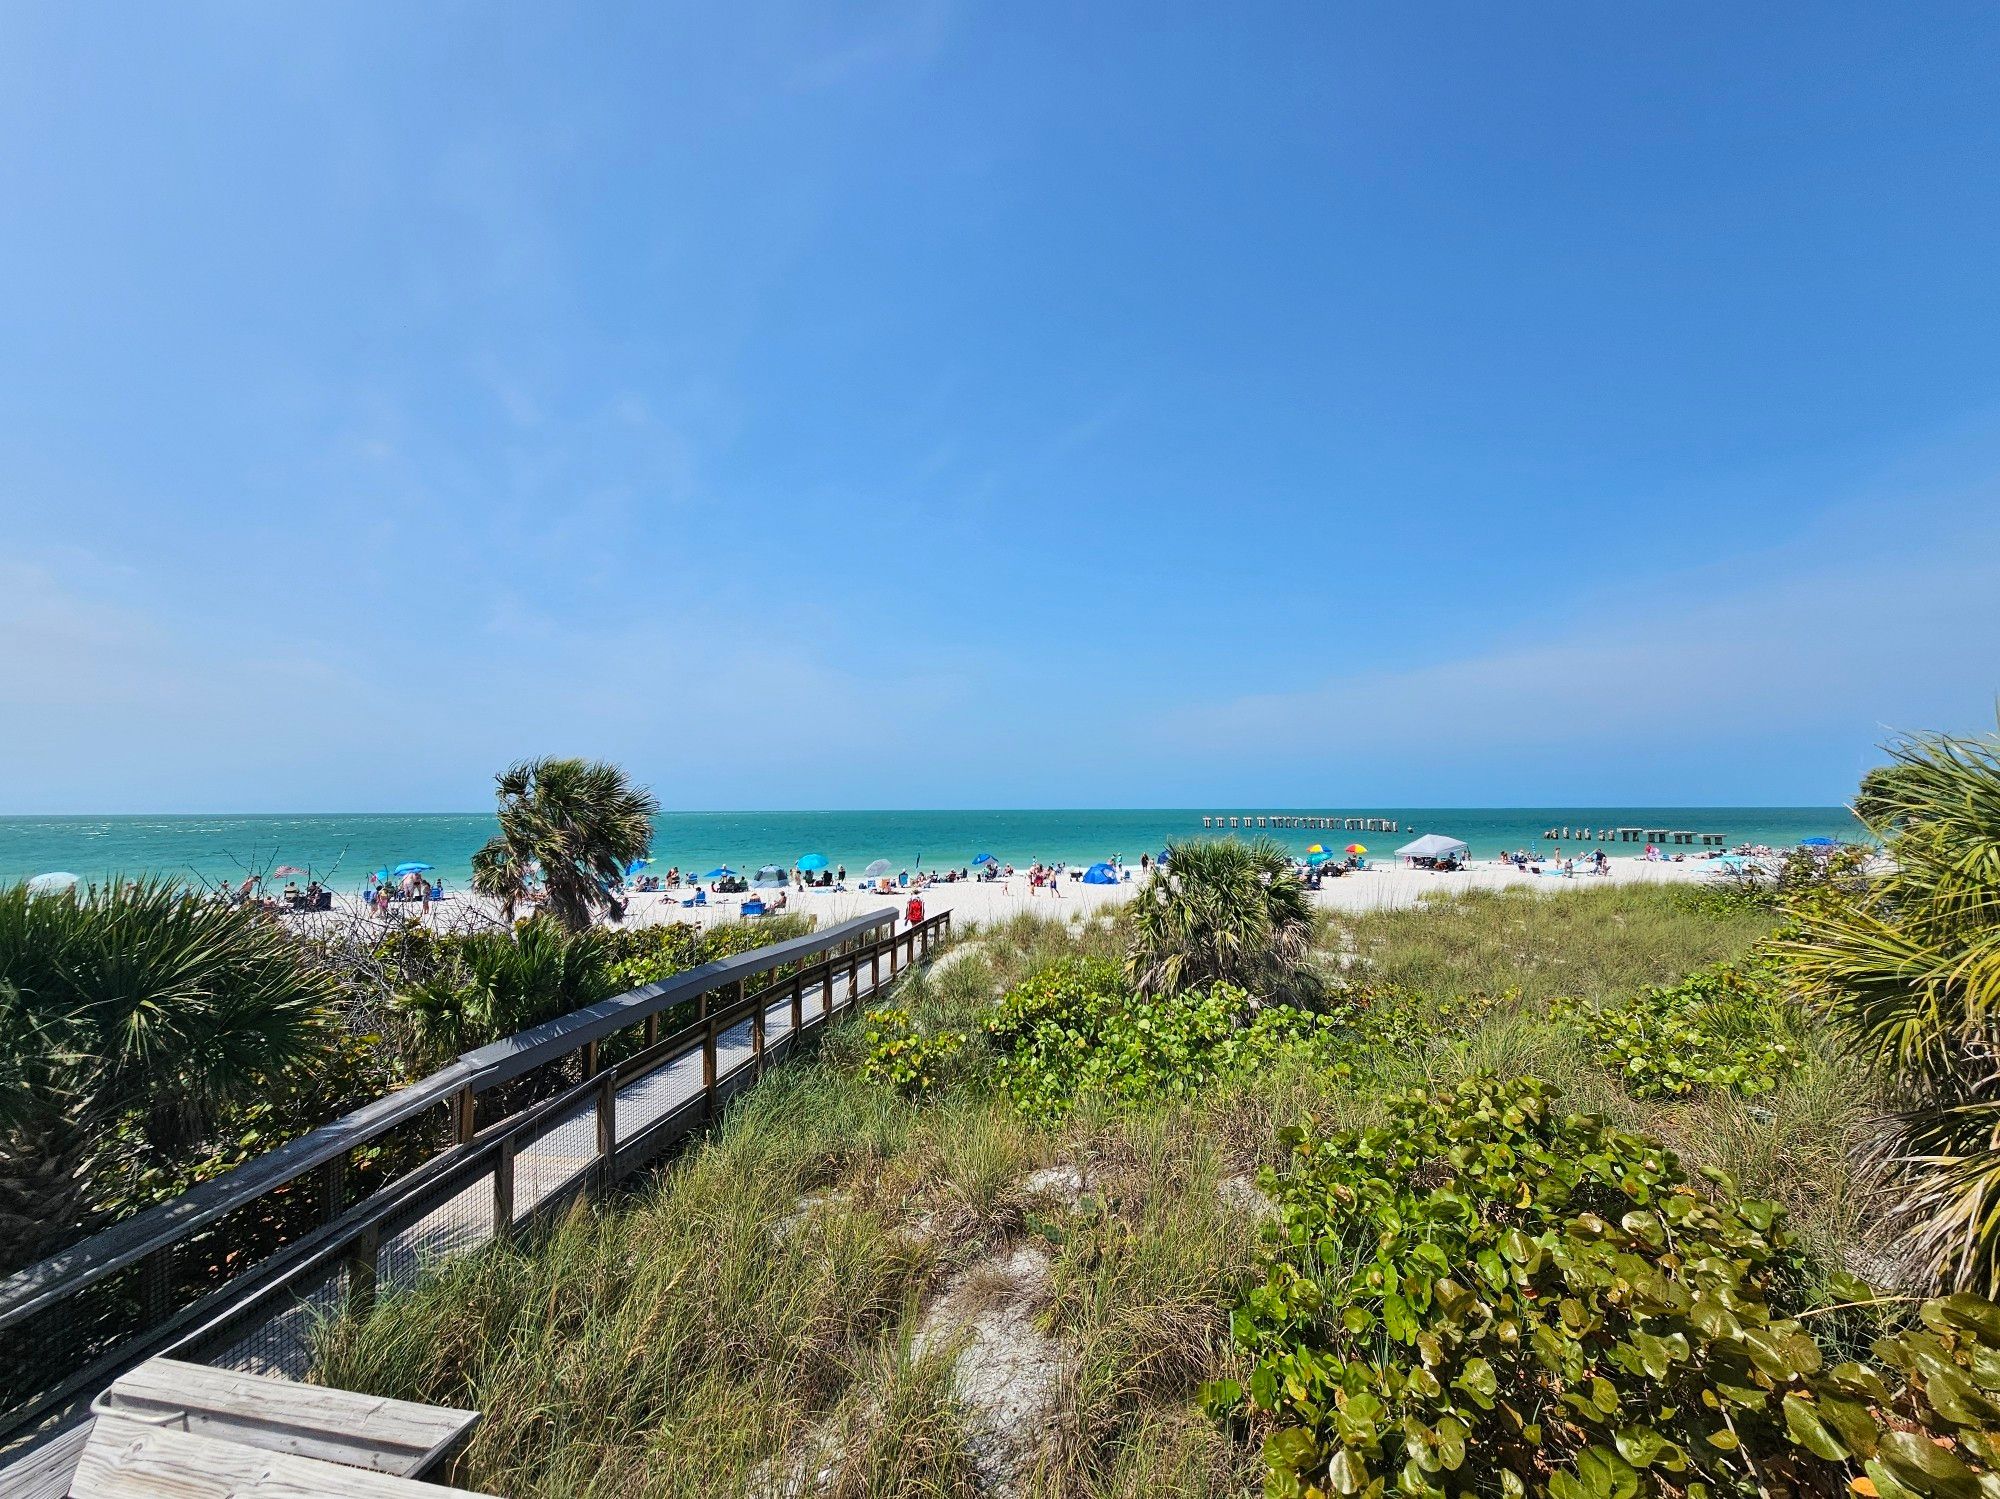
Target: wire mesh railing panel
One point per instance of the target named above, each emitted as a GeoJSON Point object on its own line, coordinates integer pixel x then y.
{"type": "Point", "coordinates": [280, 1340]}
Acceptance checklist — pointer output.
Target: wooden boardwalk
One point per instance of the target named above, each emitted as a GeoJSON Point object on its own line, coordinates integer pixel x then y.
{"type": "Point", "coordinates": [559, 1158]}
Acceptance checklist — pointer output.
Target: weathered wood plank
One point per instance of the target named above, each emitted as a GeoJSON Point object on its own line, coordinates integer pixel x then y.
{"type": "Point", "coordinates": [279, 1415]}
{"type": "Point", "coordinates": [44, 1470]}
{"type": "Point", "coordinates": [125, 1460]}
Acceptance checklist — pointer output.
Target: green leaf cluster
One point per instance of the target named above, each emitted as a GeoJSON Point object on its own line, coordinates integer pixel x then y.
{"type": "Point", "coordinates": [901, 1056]}
{"type": "Point", "coordinates": [1728, 1027]}
{"type": "Point", "coordinates": [1487, 1295]}
{"type": "Point", "coordinates": [1073, 1028]}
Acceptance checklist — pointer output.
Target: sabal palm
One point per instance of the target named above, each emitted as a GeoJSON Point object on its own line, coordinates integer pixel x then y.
{"type": "Point", "coordinates": [144, 1002]}
{"type": "Point", "coordinates": [1911, 964]}
{"type": "Point", "coordinates": [1227, 911]}
{"type": "Point", "coordinates": [580, 821]}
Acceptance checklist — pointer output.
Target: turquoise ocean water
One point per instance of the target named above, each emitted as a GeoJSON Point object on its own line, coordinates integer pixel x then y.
{"type": "Point", "coordinates": [343, 847]}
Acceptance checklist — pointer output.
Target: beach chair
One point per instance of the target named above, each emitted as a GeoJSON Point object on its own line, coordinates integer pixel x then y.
{"type": "Point", "coordinates": [752, 908]}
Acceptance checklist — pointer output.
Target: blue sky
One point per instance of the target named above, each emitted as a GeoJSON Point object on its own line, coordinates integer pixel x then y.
{"type": "Point", "coordinates": [956, 405]}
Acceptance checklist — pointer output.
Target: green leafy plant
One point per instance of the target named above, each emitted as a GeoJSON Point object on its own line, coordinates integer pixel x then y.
{"type": "Point", "coordinates": [901, 1056]}
{"type": "Point", "coordinates": [1222, 911]}
{"type": "Point", "coordinates": [1908, 964]}
{"type": "Point", "coordinates": [1730, 1026]}
{"type": "Point", "coordinates": [1072, 1029]}
{"type": "Point", "coordinates": [142, 1007]}
{"type": "Point", "coordinates": [1485, 1294]}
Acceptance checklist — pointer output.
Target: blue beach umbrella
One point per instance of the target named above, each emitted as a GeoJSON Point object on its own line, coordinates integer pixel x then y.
{"type": "Point", "coordinates": [984, 859]}
{"type": "Point", "coordinates": [1162, 859]}
{"type": "Point", "coordinates": [1818, 843]}
{"type": "Point", "coordinates": [382, 874]}
{"type": "Point", "coordinates": [1319, 858]}
{"type": "Point", "coordinates": [413, 868]}
{"type": "Point", "coordinates": [636, 865]}
{"type": "Point", "coordinates": [812, 861]}
{"type": "Point", "coordinates": [720, 872]}
{"type": "Point", "coordinates": [1100, 874]}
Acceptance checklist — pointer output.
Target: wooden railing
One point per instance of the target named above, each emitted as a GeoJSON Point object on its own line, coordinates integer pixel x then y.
{"type": "Point", "coordinates": [236, 1270]}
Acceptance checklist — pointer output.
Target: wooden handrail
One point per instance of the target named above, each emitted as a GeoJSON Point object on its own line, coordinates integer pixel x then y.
{"type": "Point", "coordinates": [353, 1233]}
{"type": "Point", "coordinates": [126, 1243]}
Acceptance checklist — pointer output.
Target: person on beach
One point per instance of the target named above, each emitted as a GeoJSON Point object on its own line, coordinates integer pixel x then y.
{"type": "Point", "coordinates": [913, 913]}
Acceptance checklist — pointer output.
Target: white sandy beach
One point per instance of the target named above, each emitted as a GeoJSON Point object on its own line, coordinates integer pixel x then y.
{"type": "Point", "coordinates": [979, 901]}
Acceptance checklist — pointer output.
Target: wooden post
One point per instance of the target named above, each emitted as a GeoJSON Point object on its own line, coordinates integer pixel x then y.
{"type": "Point", "coordinates": [363, 1265]}
{"type": "Point", "coordinates": [503, 1189]}
{"type": "Point", "coordinates": [653, 1029]}
{"type": "Point", "coordinates": [757, 1041]}
{"type": "Point", "coordinates": [798, 1005]}
{"type": "Point", "coordinates": [465, 1114]}
{"type": "Point", "coordinates": [826, 988]}
{"type": "Point", "coordinates": [590, 1059]}
{"type": "Point", "coordinates": [708, 1071]}
{"type": "Point", "coordinates": [607, 1122]}
{"type": "Point", "coordinates": [853, 979]}
{"type": "Point", "coordinates": [874, 965]}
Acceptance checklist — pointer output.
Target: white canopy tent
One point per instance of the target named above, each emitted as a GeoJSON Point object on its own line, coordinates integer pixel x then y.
{"type": "Point", "coordinates": [1434, 846]}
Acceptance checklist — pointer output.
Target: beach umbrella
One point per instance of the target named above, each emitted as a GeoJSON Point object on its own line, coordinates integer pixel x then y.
{"type": "Point", "coordinates": [984, 859]}
{"type": "Point", "coordinates": [812, 861]}
{"type": "Point", "coordinates": [1163, 857]}
{"type": "Point", "coordinates": [286, 869]}
{"type": "Point", "coordinates": [1818, 843]}
{"type": "Point", "coordinates": [876, 870]}
{"type": "Point", "coordinates": [1318, 856]}
{"type": "Point", "coordinates": [720, 872]}
{"type": "Point", "coordinates": [382, 874]}
{"type": "Point", "coordinates": [413, 867]}
{"type": "Point", "coordinates": [1357, 848]}
{"type": "Point", "coordinates": [1100, 874]}
{"type": "Point", "coordinates": [770, 874]}
{"type": "Point", "coordinates": [1315, 849]}
{"type": "Point", "coordinates": [636, 865]}
{"type": "Point", "coordinates": [55, 882]}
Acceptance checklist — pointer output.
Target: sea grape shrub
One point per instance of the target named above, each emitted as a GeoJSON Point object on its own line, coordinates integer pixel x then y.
{"type": "Point", "coordinates": [1074, 1028]}
{"type": "Point", "coordinates": [1938, 1436]}
{"type": "Point", "coordinates": [1486, 1295]}
{"type": "Point", "coordinates": [902, 1057]}
{"type": "Point", "coordinates": [1728, 1027]}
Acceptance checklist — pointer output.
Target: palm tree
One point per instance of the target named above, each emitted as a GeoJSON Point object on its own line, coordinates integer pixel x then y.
{"type": "Point", "coordinates": [143, 1003]}
{"type": "Point", "coordinates": [1220, 910]}
{"type": "Point", "coordinates": [581, 822]}
{"type": "Point", "coordinates": [1910, 963]}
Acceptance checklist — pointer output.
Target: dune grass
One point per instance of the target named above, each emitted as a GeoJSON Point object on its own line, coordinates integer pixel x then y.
{"type": "Point", "coordinates": [746, 1323]}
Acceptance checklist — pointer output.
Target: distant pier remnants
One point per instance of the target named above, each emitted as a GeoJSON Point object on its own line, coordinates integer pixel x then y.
{"type": "Point", "coordinates": [1281, 821]}
{"type": "Point", "coordinates": [1659, 836]}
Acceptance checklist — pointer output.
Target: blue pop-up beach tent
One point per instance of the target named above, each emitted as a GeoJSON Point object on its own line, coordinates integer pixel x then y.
{"type": "Point", "coordinates": [1100, 874]}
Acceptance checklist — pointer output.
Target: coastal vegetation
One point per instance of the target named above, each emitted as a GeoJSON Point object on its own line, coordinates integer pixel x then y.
{"type": "Point", "coordinates": [1908, 965]}
{"type": "Point", "coordinates": [1028, 1228]}
{"type": "Point", "coordinates": [133, 1020]}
